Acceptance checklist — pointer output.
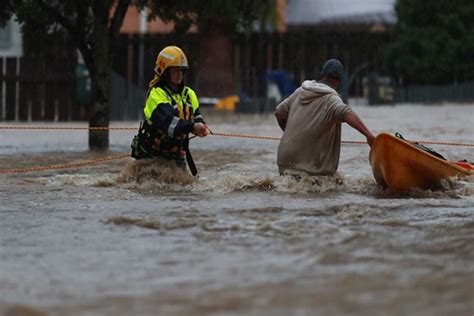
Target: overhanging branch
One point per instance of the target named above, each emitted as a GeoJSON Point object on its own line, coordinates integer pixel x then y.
{"type": "Point", "coordinates": [73, 31]}
{"type": "Point", "coordinates": [118, 17]}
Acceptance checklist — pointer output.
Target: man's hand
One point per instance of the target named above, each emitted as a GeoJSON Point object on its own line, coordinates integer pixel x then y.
{"type": "Point", "coordinates": [370, 139]}
{"type": "Point", "coordinates": [200, 129]}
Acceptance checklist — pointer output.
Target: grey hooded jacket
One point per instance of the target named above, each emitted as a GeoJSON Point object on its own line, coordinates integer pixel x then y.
{"type": "Point", "coordinates": [311, 142]}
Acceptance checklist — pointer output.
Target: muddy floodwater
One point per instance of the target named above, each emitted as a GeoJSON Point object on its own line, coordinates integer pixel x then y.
{"type": "Point", "coordinates": [128, 238]}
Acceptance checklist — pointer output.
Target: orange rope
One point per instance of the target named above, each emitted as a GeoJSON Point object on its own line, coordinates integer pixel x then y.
{"type": "Point", "coordinates": [212, 133]}
{"type": "Point", "coordinates": [272, 137]}
{"type": "Point", "coordinates": [69, 128]}
{"type": "Point", "coordinates": [65, 166]}
{"type": "Point", "coordinates": [123, 155]}
{"type": "Point", "coordinates": [441, 143]}
{"type": "Point", "coordinates": [245, 136]}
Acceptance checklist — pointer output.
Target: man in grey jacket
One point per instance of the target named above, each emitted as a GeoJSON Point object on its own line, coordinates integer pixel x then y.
{"type": "Point", "coordinates": [311, 119]}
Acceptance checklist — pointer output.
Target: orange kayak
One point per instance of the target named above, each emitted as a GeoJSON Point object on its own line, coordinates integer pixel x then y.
{"type": "Point", "coordinates": [401, 166]}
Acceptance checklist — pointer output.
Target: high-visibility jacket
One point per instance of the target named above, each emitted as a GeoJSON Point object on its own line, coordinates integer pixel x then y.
{"type": "Point", "coordinates": [173, 113]}
{"type": "Point", "coordinates": [170, 117]}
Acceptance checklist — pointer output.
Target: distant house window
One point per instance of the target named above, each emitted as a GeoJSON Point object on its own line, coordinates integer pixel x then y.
{"type": "Point", "coordinates": [5, 36]}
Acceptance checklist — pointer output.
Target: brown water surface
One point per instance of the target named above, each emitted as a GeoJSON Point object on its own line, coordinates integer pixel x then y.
{"type": "Point", "coordinates": [140, 238]}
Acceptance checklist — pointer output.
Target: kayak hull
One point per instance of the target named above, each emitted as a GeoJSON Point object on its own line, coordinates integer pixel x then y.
{"type": "Point", "coordinates": [401, 166]}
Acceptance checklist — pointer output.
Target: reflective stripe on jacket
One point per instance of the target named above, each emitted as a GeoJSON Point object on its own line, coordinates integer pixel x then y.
{"type": "Point", "coordinates": [172, 113]}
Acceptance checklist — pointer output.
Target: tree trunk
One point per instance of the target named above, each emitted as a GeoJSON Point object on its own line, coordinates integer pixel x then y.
{"type": "Point", "coordinates": [99, 114]}
{"type": "Point", "coordinates": [99, 140]}
{"type": "Point", "coordinates": [102, 68]}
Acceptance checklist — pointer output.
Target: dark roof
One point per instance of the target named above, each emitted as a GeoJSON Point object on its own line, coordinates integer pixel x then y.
{"type": "Point", "coordinates": [335, 12]}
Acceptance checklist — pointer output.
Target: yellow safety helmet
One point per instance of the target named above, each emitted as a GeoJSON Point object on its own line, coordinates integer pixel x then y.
{"type": "Point", "coordinates": [170, 56]}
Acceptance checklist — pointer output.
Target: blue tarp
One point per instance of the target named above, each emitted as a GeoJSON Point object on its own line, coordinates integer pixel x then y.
{"type": "Point", "coordinates": [283, 81]}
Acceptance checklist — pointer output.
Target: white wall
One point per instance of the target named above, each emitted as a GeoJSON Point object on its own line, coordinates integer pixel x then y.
{"type": "Point", "coordinates": [11, 41]}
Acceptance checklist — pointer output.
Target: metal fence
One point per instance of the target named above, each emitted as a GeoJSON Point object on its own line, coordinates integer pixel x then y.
{"type": "Point", "coordinates": [42, 90]}
{"type": "Point", "coordinates": [462, 92]}
{"type": "Point", "coordinates": [126, 99]}
{"type": "Point", "coordinates": [252, 56]}
{"type": "Point", "coordinates": [34, 90]}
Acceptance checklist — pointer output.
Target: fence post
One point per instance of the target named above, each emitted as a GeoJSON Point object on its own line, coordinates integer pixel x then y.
{"type": "Point", "coordinates": [17, 90]}
{"type": "Point", "coordinates": [56, 110]}
{"type": "Point", "coordinates": [237, 68]}
{"type": "Point", "coordinates": [4, 89]}
{"type": "Point", "coordinates": [29, 110]}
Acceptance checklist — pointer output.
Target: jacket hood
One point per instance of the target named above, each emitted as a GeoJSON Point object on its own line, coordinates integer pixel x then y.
{"type": "Point", "coordinates": [312, 89]}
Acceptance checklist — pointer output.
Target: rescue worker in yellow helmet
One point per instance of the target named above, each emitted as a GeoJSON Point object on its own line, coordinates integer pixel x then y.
{"type": "Point", "coordinates": [171, 113]}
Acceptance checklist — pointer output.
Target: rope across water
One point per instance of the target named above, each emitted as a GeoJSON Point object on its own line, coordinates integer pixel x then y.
{"type": "Point", "coordinates": [238, 135]}
{"type": "Point", "coordinates": [124, 155]}
{"type": "Point", "coordinates": [66, 165]}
